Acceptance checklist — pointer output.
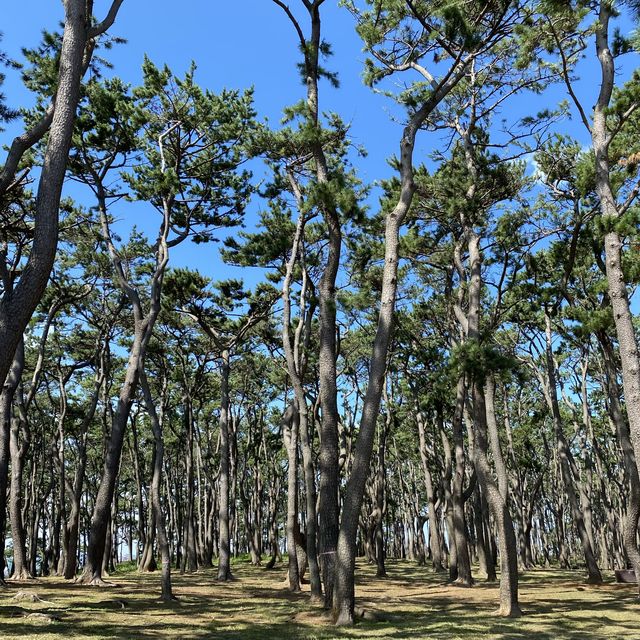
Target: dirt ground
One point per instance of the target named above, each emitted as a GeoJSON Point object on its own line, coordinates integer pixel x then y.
{"type": "Point", "coordinates": [414, 602]}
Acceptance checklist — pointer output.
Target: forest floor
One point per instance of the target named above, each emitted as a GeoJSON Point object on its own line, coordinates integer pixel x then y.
{"type": "Point", "coordinates": [414, 602]}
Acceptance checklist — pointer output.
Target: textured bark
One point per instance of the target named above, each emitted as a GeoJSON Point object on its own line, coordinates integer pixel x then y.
{"type": "Point", "coordinates": [434, 537]}
{"type": "Point", "coordinates": [344, 587]}
{"type": "Point", "coordinates": [19, 442]}
{"type": "Point", "coordinates": [295, 368]}
{"type": "Point", "coordinates": [463, 577]}
{"type": "Point", "coordinates": [495, 494]}
{"type": "Point", "coordinates": [612, 389]}
{"type": "Point", "coordinates": [102, 507]}
{"type": "Point", "coordinates": [327, 374]}
{"type": "Point", "coordinates": [156, 482]}
{"type": "Point", "coordinates": [189, 558]}
{"type": "Point", "coordinates": [379, 486]}
{"type": "Point", "coordinates": [6, 403]}
{"type": "Point", "coordinates": [290, 421]}
{"type": "Point", "coordinates": [567, 465]}
{"type": "Point", "coordinates": [72, 526]}
{"type": "Point", "coordinates": [17, 306]}
{"type": "Point", "coordinates": [445, 484]}
{"type": "Point", "coordinates": [224, 557]}
{"type": "Point", "coordinates": [617, 287]}
{"type": "Point", "coordinates": [494, 438]}
{"type": "Point", "coordinates": [143, 324]}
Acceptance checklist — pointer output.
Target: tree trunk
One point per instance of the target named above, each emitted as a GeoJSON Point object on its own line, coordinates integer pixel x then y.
{"type": "Point", "coordinates": [17, 306]}
{"type": "Point", "coordinates": [102, 507]}
{"type": "Point", "coordinates": [617, 288]}
{"type": "Point", "coordinates": [344, 587]}
{"type": "Point", "coordinates": [496, 499]}
{"type": "Point", "coordinates": [290, 423]}
{"type": "Point", "coordinates": [566, 462]}
{"type": "Point", "coordinates": [630, 524]}
{"type": "Point", "coordinates": [156, 482]}
{"type": "Point", "coordinates": [224, 558]}
{"type": "Point", "coordinates": [6, 404]}
{"type": "Point", "coordinates": [434, 537]}
{"type": "Point", "coordinates": [464, 577]}
{"type": "Point", "coordinates": [19, 441]}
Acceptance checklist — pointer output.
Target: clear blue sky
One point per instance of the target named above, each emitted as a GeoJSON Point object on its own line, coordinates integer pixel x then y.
{"type": "Point", "coordinates": [237, 44]}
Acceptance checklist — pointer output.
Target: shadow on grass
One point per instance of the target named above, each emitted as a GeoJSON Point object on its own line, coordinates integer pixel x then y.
{"type": "Point", "coordinates": [417, 602]}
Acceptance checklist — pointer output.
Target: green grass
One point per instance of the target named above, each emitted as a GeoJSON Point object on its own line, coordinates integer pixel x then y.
{"type": "Point", "coordinates": [415, 602]}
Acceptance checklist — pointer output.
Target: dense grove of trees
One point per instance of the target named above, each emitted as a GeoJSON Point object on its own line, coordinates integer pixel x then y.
{"type": "Point", "coordinates": [442, 366]}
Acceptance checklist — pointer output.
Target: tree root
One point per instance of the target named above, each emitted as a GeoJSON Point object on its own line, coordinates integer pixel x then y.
{"type": "Point", "coordinates": [169, 599]}
{"type": "Point", "coordinates": [93, 581]}
{"type": "Point", "coordinates": [458, 582]}
{"type": "Point", "coordinates": [509, 612]}
{"type": "Point", "coordinates": [31, 597]}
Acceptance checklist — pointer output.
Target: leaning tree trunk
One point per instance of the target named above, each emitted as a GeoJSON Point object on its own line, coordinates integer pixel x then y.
{"type": "Point", "coordinates": [344, 587]}
{"type": "Point", "coordinates": [78, 41]}
{"type": "Point", "coordinates": [102, 507]}
{"type": "Point", "coordinates": [142, 329]}
{"type": "Point", "coordinates": [617, 288]}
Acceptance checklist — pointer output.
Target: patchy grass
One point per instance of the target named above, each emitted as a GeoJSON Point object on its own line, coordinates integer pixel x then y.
{"type": "Point", "coordinates": [415, 602]}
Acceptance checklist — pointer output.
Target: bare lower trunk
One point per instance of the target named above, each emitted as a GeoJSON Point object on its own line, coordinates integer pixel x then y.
{"type": "Point", "coordinates": [290, 423]}
{"type": "Point", "coordinates": [612, 389]}
{"type": "Point", "coordinates": [19, 442]}
{"type": "Point", "coordinates": [6, 402]}
{"type": "Point", "coordinates": [434, 538]}
{"type": "Point", "coordinates": [156, 482]}
{"type": "Point", "coordinates": [496, 494]}
{"type": "Point", "coordinates": [463, 577]}
{"type": "Point", "coordinates": [499, 510]}
{"type": "Point", "coordinates": [344, 587]}
{"type": "Point", "coordinates": [102, 508]}
{"type": "Point", "coordinates": [567, 464]}
{"type": "Point", "coordinates": [224, 558]}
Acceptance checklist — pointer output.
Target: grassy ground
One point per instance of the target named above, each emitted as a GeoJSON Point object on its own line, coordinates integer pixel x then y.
{"type": "Point", "coordinates": [415, 602]}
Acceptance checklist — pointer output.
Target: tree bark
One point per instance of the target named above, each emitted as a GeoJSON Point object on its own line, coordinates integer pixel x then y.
{"type": "Point", "coordinates": [617, 287]}
{"type": "Point", "coordinates": [290, 423]}
{"type": "Point", "coordinates": [612, 389]}
{"type": "Point", "coordinates": [19, 442]}
{"type": "Point", "coordinates": [156, 482]}
{"type": "Point", "coordinates": [566, 462]}
{"type": "Point", "coordinates": [434, 537]}
{"type": "Point", "coordinates": [224, 558]}
{"type": "Point", "coordinates": [6, 404]}
{"type": "Point", "coordinates": [17, 307]}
